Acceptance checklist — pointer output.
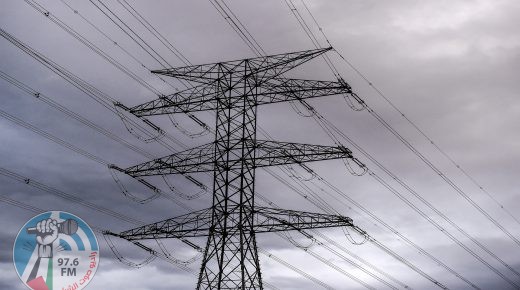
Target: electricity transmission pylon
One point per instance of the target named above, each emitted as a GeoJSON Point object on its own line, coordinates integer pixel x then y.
{"type": "Point", "coordinates": [235, 89]}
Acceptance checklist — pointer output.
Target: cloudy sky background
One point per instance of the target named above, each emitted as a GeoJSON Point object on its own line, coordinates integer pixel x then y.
{"type": "Point", "coordinates": [451, 66]}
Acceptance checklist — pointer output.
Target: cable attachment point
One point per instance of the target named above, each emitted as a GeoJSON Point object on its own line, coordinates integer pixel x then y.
{"type": "Point", "coordinates": [352, 98]}
{"type": "Point", "coordinates": [120, 105]}
{"type": "Point", "coordinates": [294, 174]}
{"type": "Point", "coordinates": [348, 99]}
{"type": "Point", "coordinates": [196, 182]}
{"type": "Point", "coordinates": [157, 192]}
{"type": "Point", "coordinates": [359, 164]}
{"type": "Point", "coordinates": [203, 188]}
{"type": "Point", "coordinates": [176, 124]}
{"type": "Point", "coordinates": [290, 238]}
{"type": "Point", "coordinates": [194, 246]}
{"type": "Point", "coordinates": [310, 109]}
{"type": "Point", "coordinates": [359, 231]}
{"type": "Point", "coordinates": [177, 261]}
{"type": "Point", "coordinates": [344, 84]}
{"type": "Point", "coordinates": [150, 138]}
{"type": "Point", "coordinates": [119, 256]}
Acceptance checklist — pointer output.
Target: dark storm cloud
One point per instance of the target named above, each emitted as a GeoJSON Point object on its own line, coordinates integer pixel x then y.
{"type": "Point", "coordinates": [451, 66]}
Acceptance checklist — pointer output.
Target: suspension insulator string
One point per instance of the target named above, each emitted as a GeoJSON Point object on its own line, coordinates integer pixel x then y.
{"type": "Point", "coordinates": [176, 124]}
{"type": "Point", "coordinates": [359, 164]}
{"type": "Point", "coordinates": [293, 241]}
{"type": "Point", "coordinates": [156, 192]}
{"type": "Point", "coordinates": [124, 260]}
{"type": "Point", "coordinates": [160, 133]}
{"type": "Point", "coordinates": [296, 175]}
{"type": "Point", "coordinates": [178, 261]}
{"type": "Point", "coordinates": [351, 239]}
{"type": "Point", "coordinates": [299, 111]}
{"type": "Point", "coordinates": [202, 191]}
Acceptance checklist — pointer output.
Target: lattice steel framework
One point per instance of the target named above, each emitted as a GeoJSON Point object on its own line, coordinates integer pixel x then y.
{"type": "Point", "coordinates": [235, 89]}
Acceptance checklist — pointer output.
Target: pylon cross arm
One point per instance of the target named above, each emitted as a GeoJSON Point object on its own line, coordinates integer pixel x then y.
{"type": "Point", "coordinates": [197, 159]}
{"type": "Point", "coordinates": [276, 220]}
{"type": "Point", "coordinates": [271, 153]}
{"type": "Point", "coordinates": [286, 89]}
{"type": "Point", "coordinates": [205, 97]}
{"type": "Point", "coordinates": [199, 224]}
{"type": "Point", "coordinates": [188, 225]}
{"type": "Point", "coordinates": [268, 67]}
{"type": "Point", "coordinates": [198, 98]}
{"type": "Point", "coordinates": [268, 153]}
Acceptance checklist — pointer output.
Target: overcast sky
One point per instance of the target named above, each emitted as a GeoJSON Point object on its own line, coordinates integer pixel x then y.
{"type": "Point", "coordinates": [451, 66]}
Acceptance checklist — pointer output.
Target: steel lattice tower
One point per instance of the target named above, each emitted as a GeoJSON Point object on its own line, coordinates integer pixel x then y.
{"type": "Point", "coordinates": [235, 89]}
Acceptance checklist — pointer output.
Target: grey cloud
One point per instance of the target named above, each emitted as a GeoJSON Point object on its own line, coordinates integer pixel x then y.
{"type": "Point", "coordinates": [450, 66]}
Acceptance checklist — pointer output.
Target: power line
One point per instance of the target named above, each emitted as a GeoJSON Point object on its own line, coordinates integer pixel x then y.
{"type": "Point", "coordinates": [429, 205]}
{"type": "Point", "coordinates": [101, 130]}
{"type": "Point", "coordinates": [319, 117]}
{"type": "Point", "coordinates": [237, 26]}
{"type": "Point", "coordinates": [154, 31]}
{"type": "Point", "coordinates": [106, 57]}
{"type": "Point", "coordinates": [342, 271]}
{"type": "Point", "coordinates": [336, 141]}
{"type": "Point", "coordinates": [330, 128]}
{"type": "Point", "coordinates": [390, 229]}
{"type": "Point", "coordinates": [62, 194]}
{"type": "Point", "coordinates": [417, 270]}
{"type": "Point", "coordinates": [84, 153]}
{"type": "Point", "coordinates": [90, 45]}
{"type": "Point", "coordinates": [140, 19]}
{"type": "Point", "coordinates": [165, 255]}
{"type": "Point", "coordinates": [374, 241]}
{"type": "Point", "coordinates": [51, 137]}
{"type": "Point", "coordinates": [447, 180]}
{"type": "Point", "coordinates": [115, 43]}
{"type": "Point", "coordinates": [98, 96]}
{"type": "Point", "coordinates": [429, 139]}
{"type": "Point", "coordinates": [49, 101]}
{"type": "Point", "coordinates": [73, 198]}
{"type": "Point", "coordinates": [306, 275]}
{"type": "Point", "coordinates": [310, 34]}
{"type": "Point", "coordinates": [132, 34]}
{"type": "Point", "coordinates": [100, 52]}
{"type": "Point", "coordinates": [44, 98]}
{"type": "Point", "coordinates": [418, 153]}
{"type": "Point", "coordinates": [231, 224]}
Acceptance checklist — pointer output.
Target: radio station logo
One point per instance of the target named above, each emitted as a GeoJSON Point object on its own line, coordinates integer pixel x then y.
{"type": "Point", "coordinates": [56, 250]}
